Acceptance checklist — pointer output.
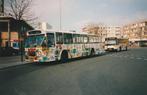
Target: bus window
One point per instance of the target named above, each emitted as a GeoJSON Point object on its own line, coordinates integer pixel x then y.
{"type": "Point", "coordinates": [91, 39]}
{"type": "Point", "coordinates": [50, 39]}
{"type": "Point", "coordinates": [44, 43]}
{"type": "Point", "coordinates": [78, 38]}
{"type": "Point", "coordinates": [95, 40]}
{"type": "Point", "coordinates": [34, 41]}
{"type": "Point", "coordinates": [74, 38]}
{"type": "Point", "coordinates": [85, 39]}
{"type": "Point", "coordinates": [68, 38]}
{"type": "Point", "coordinates": [59, 38]}
{"type": "Point", "coordinates": [81, 38]}
{"type": "Point", "coordinates": [111, 41]}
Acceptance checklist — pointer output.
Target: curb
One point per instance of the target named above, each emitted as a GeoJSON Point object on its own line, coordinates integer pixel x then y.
{"type": "Point", "coordinates": [3, 66]}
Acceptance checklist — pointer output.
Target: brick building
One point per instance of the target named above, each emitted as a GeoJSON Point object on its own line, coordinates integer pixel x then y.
{"type": "Point", "coordinates": [136, 32]}
{"type": "Point", "coordinates": [12, 31]}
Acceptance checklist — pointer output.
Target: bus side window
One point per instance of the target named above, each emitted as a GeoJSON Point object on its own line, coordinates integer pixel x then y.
{"type": "Point", "coordinates": [79, 38]}
{"type": "Point", "coordinates": [68, 38]}
{"type": "Point", "coordinates": [75, 38]}
{"type": "Point", "coordinates": [50, 40]}
{"type": "Point", "coordinates": [90, 39]}
{"type": "Point", "coordinates": [59, 38]}
{"type": "Point", "coordinates": [85, 39]}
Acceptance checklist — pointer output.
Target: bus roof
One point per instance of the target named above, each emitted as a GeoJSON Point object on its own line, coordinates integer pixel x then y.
{"type": "Point", "coordinates": [37, 32]}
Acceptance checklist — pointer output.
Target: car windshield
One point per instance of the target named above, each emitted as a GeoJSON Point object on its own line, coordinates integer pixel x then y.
{"type": "Point", "coordinates": [34, 41]}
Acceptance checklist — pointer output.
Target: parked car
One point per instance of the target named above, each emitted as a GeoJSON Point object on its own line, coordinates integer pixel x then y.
{"type": "Point", "coordinates": [9, 51]}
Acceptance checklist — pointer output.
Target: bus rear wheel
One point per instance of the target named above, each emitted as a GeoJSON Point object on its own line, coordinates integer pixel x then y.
{"type": "Point", "coordinates": [92, 53]}
{"type": "Point", "coordinates": [126, 49]}
{"type": "Point", "coordinates": [118, 50]}
{"type": "Point", "coordinates": [64, 56]}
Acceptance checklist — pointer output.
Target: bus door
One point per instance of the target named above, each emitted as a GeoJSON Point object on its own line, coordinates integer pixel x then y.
{"type": "Point", "coordinates": [76, 47]}
{"type": "Point", "coordinates": [51, 46]}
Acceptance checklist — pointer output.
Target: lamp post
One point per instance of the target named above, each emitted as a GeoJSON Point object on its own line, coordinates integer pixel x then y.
{"type": "Point", "coordinates": [19, 22]}
{"type": "Point", "coordinates": [9, 34]}
{"type": "Point", "coordinates": [60, 14]}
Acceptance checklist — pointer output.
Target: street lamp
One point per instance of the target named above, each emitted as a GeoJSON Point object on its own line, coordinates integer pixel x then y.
{"type": "Point", "coordinates": [60, 13]}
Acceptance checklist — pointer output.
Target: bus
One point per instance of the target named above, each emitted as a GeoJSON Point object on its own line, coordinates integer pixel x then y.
{"type": "Point", "coordinates": [116, 44]}
{"type": "Point", "coordinates": [47, 46]}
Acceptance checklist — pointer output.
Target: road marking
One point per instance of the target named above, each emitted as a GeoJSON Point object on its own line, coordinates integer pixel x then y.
{"type": "Point", "coordinates": [138, 58]}
{"type": "Point", "coordinates": [132, 57]}
{"type": "Point", "coordinates": [127, 56]}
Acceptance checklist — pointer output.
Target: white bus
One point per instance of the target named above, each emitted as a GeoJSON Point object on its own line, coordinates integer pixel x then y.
{"type": "Point", "coordinates": [46, 46]}
{"type": "Point", "coordinates": [116, 44]}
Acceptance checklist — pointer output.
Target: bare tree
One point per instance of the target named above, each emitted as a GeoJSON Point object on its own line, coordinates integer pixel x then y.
{"type": "Point", "coordinates": [20, 10]}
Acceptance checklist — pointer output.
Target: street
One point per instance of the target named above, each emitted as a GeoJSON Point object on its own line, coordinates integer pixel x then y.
{"type": "Point", "coordinates": [10, 61]}
{"type": "Point", "coordinates": [115, 73]}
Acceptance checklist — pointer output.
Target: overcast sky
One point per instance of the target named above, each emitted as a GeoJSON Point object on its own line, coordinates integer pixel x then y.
{"type": "Point", "coordinates": [76, 13]}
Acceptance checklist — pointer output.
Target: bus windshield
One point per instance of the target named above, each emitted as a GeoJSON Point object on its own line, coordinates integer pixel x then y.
{"type": "Point", "coordinates": [111, 42]}
{"type": "Point", "coordinates": [34, 41]}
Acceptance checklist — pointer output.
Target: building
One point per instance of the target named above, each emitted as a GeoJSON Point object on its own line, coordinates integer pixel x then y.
{"type": "Point", "coordinates": [12, 31]}
{"type": "Point", "coordinates": [44, 26]}
{"type": "Point", "coordinates": [136, 31]}
{"type": "Point", "coordinates": [103, 31]}
{"type": "Point", "coordinates": [113, 32]}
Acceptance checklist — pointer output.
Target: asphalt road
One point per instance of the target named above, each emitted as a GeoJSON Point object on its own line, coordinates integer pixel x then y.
{"type": "Point", "coordinates": [122, 73]}
{"type": "Point", "coordinates": [12, 59]}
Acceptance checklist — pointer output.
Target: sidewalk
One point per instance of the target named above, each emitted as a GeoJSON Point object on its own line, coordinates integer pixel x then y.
{"type": "Point", "coordinates": [10, 61]}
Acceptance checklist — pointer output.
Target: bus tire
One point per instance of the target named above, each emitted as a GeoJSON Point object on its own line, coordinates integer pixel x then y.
{"type": "Point", "coordinates": [118, 49]}
{"type": "Point", "coordinates": [92, 53]}
{"type": "Point", "coordinates": [126, 49]}
{"type": "Point", "coordinates": [64, 56]}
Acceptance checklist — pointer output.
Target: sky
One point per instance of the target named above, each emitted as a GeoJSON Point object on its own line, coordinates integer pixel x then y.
{"type": "Point", "coordinates": [75, 14]}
